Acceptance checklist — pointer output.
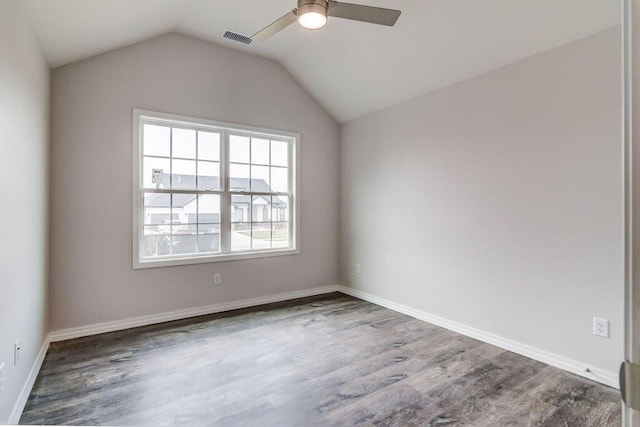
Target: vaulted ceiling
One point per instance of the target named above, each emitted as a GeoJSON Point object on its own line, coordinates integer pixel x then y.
{"type": "Point", "coordinates": [351, 68]}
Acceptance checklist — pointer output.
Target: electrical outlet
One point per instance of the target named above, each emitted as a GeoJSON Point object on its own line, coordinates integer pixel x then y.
{"type": "Point", "coordinates": [1, 377]}
{"type": "Point", "coordinates": [601, 327]}
{"type": "Point", "coordinates": [358, 269]}
{"type": "Point", "coordinates": [16, 352]}
{"type": "Point", "coordinates": [217, 279]}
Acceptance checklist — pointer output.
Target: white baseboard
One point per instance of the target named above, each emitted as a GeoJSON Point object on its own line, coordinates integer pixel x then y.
{"type": "Point", "coordinates": [605, 377]}
{"type": "Point", "coordinates": [16, 413]}
{"type": "Point", "coordinates": [99, 328]}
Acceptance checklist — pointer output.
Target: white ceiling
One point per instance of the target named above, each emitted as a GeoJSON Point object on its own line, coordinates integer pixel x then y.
{"type": "Point", "coordinates": [351, 68]}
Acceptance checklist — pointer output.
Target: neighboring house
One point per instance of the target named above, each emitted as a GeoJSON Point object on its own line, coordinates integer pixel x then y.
{"type": "Point", "coordinates": [185, 206]}
{"type": "Point", "coordinates": [173, 229]}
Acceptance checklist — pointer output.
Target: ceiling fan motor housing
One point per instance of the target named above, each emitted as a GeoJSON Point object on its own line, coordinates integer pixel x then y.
{"type": "Point", "coordinates": [318, 6]}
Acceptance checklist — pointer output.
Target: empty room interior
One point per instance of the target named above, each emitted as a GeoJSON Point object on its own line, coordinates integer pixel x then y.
{"type": "Point", "coordinates": [310, 212]}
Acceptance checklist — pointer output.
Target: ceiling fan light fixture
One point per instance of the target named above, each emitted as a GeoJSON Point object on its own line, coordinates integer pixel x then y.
{"type": "Point", "coordinates": [312, 16]}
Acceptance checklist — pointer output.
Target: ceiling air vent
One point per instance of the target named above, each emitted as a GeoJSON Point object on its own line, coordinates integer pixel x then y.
{"type": "Point", "coordinates": [230, 35]}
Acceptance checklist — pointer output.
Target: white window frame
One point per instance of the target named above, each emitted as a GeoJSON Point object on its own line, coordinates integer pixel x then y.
{"type": "Point", "coordinates": [224, 128]}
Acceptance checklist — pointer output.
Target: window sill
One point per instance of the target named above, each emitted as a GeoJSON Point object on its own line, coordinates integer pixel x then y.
{"type": "Point", "coordinates": [169, 262]}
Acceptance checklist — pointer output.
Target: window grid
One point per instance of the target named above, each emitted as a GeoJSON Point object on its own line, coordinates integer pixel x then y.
{"type": "Point", "coordinates": [224, 191]}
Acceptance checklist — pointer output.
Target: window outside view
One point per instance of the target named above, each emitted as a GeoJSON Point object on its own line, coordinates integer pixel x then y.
{"type": "Point", "coordinates": [184, 192]}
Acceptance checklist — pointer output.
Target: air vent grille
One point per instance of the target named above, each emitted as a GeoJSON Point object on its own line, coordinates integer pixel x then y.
{"type": "Point", "coordinates": [230, 35]}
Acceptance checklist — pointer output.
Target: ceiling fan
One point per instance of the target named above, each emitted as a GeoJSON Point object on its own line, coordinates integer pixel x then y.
{"type": "Point", "coordinates": [312, 14]}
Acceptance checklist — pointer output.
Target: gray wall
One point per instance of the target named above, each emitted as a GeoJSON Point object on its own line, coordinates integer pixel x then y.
{"type": "Point", "coordinates": [24, 113]}
{"type": "Point", "coordinates": [92, 281]}
{"type": "Point", "coordinates": [497, 202]}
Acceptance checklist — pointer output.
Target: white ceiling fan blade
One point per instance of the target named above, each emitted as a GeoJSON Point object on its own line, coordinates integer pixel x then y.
{"type": "Point", "coordinates": [357, 12]}
{"type": "Point", "coordinates": [276, 26]}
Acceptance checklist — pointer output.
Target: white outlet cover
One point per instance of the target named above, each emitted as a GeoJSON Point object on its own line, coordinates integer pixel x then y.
{"type": "Point", "coordinates": [358, 269]}
{"type": "Point", "coordinates": [601, 327]}
{"type": "Point", "coordinates": [16, 353]}
{"type": "Point", "coordinates": [217, 279]}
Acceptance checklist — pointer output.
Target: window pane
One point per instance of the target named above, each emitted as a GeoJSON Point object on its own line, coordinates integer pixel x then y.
{"type": "Point", "coordinates": [280, 238]}
{"type": "Point", "coordinates": [280, 209]}
{"type": "Point", "coordinates": [239, 149]}
{"type": "Point", "coordinates": [240, 236]}
{"type": "Point", "coordinates": [183, 174]}
{"type": "Point", "coordinates": [157, 208]}
{"type": "Point", "coordinates": [208, 146]}
{"type": "Point", "coordinates": [155, 242]}
{"type": "Point", "coordinates": [260, 179]}
{"type": "Point", "coordinates": [208, 237]}
{"type": "Point", "coordinates": [209, 208]}
{"type": "Point", "coordinates": [162, 165]}
{"type": "Point", "coordinates": [261, 208]}
{"type": "Point", "coordinates": [184, 238]}
{"type": "Point", "coordinates": [261, 235]}
{"type": "Point", "coordinates": [209, 176]}
{"type": "Point", "coordinates": [260, 151]}
{"type": "Point", "coordinates": [280, 180]}
{"type": "Point", "coordinates": [184, 143]}
{"type": "Point", "coordinates": [241, 208]}
{"type": "Point", "coordinates": [203, 168]}
{"type": "Point", "coordinates": [279, 153]}
{"type": "Point", "coordinates": [184, 209]}
{"type": "Point", "coordinates": [156, 140]}
{"type": "Point", "coordinates": [238, 177]}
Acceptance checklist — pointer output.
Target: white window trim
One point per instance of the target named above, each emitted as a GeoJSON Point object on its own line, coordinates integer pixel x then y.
{"type": "Point", "coordinates": [137, 190]}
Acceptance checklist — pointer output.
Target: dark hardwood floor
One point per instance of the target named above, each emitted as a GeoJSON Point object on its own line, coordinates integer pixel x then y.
{"type": "Point", "coordinates": [328, 360]}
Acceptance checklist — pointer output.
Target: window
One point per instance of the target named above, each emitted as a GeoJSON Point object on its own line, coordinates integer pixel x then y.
{"type": "Point", "coordinates": [207, 191]}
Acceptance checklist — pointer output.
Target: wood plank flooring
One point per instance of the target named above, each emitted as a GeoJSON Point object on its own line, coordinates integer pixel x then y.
{"type": "Point", "coordinates": [331, 360]}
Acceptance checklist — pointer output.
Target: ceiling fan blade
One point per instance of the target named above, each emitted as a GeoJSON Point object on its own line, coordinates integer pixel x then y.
{"type": "Point", "coordinates": [276, 26]}
{"type": "Point", "coordinates": [357, 12]}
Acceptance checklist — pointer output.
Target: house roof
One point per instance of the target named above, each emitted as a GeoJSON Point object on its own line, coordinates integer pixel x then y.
{"type": "Point", "coordinates": [161, 200]}
{"type": "Point", "coordinates": [351, 68]}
